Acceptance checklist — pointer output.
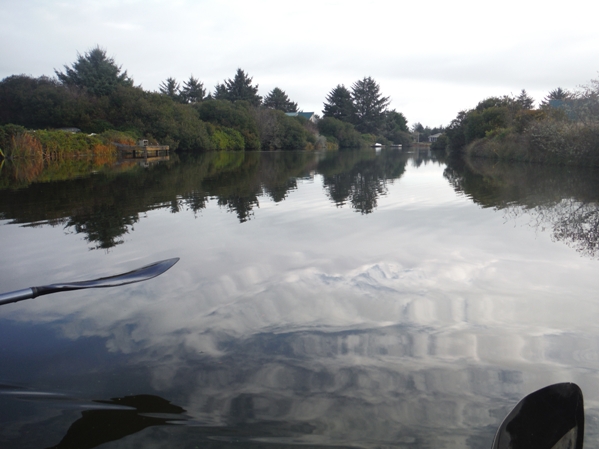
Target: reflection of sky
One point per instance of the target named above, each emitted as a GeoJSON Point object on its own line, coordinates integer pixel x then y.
{"type": "Point", "coordinates": [424, 316]}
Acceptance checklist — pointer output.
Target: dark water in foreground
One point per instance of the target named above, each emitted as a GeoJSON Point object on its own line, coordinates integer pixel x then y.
{"type": "Point", "coordinates": [345, 299]}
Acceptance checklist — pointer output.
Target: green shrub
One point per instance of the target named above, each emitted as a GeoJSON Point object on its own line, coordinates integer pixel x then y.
{"type": "Point", "coordinates": [293, 134]}
{"type": "Point", "coordinates": [440, 143]}
{"type": "Point", "coordinates": [123, 137]}
{"type": "Point", "coordinates": [223, 138]}
{"type": "Point", "coordinates": [345, 133]}
{"type": "Point", "coordinates": [559, 141]}
{"type": "Point", "coordinates": [236, 116]}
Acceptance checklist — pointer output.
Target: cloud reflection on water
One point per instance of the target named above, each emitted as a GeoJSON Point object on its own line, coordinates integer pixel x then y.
{"type": "Point", "coordinates": [413, 326]}
{"type": "Point", "coordinates": [378, 352]}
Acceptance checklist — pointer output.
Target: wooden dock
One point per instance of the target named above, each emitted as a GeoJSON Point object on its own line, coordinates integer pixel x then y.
{"type": "Point", "coordinates": [142, 150]}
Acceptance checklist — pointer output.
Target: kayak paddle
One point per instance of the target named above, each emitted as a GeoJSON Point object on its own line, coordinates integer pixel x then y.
{"type": "Point", "coordinates": [549, 418]}
{"type": "Point", "coordinates": [141, 274]}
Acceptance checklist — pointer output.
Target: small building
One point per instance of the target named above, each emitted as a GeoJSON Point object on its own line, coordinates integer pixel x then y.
{"type": "Point", "coordinates": [311, 116]}
{"type": "Point", "coordinates": [433, 138]}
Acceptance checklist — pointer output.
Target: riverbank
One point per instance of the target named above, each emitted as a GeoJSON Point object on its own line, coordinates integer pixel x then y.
{"type": "Point", "coordinates": [547, 141]}
{"type": "Point", "coordinates": [18, 142]}
{"type": "Point", "coordinates": [562, 130]}
{"type": "Point", "coordinates": [42, 155]}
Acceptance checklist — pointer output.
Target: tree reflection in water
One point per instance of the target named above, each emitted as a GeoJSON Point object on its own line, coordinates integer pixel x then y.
{"type": "Point", "coordinates": [296, 376]}
{"type": "Point", "coordinates": [361, 178]}
{"type": "Point", "coordinates": [564, 200]}
{"type": "Point", "coordinates": [106, 206]}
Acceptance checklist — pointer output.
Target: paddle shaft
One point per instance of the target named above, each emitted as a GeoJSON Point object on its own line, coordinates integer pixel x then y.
{"type": "Point", "coordinates": [19, 295]}
{"type": "Point", "coordinates": [34, 292]}
{"type": "Point", "coordinates": [141, 274]}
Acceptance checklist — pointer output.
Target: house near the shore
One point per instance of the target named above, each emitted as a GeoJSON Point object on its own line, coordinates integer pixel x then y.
{"type": "Point", "coordinates": [311, 116]}
{"type": "Point", "coordinates": [433, 138]}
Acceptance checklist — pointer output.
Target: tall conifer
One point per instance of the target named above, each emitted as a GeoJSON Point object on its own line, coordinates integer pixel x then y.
{"type": "Point", "coordinates": [339, 104]}
{"type": "Point", "coordinates": [278, 99]}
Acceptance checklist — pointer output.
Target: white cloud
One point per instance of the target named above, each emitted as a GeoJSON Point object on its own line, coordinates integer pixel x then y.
{"type": "Point", "coordinates": [307, 48]}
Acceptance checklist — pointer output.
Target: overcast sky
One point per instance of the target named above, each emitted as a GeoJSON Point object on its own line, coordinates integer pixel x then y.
{"type": "Point", "coordinates": [432, 57]}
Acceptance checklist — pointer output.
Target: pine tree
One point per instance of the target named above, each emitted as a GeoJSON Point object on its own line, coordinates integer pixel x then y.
{"type": "Point", "coordinates": [170, 88]}
{"type": "Point", "coordinates": [395, 127]}
{"type": "Point", "coordinates": [339, 104]}
{"type": "Point", "coordinates": [193, 91]}
{"type": "Point", "coordinates": [238, 88]}
{"type": "Point", "coordinates": [278, 99]}
{"type": "Point", "coordinates": [558, 94]}
{"type": "Point", "coordinates": [220, 92]}
{"type": "Point", "coordinates": [369, 104]}
{"type": "Point", "coordinates": [95, 72]}
{"type": "Point", "coordinates": [394, 119]}
{"type": "Point", "coordinates": [524, 100]}
{"type": "Point", "coordinates": [417, 127]}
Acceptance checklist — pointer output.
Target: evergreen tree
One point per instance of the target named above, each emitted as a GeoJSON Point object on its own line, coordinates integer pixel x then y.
{"type": "Point", "coordinates": [278, 99]}
{"type": "Point", "coordinates": [95, 72]}
{"type": "Point", "coordinates": [394, 119]}
{"type": "Point", "coordinates": [369, 104]}
{"type": "Point", "coordinates": [193, 91]}
{"type": "Point", "coordinates": [220, 92]}
{"type": "Point", "coordinates": [170, 88]}
{"type": "Point", "coordinates": [417, 127]}
{"type": "Point", "coordinates": [524, 100]}
{"type": "Point", "coordinates": [339, 104]}
{"type": "Point", "coordinates": [556, 94]}
{"type": "Point", "coordinates": [238, 88]}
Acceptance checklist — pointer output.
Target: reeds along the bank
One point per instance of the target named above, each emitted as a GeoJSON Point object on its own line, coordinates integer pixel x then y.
{"type": "Point", "coordinates": [104, 154]}
{"type": "Point", "coordinates": [22, 171]}
{"type": "Point", "coordinates": [52, 155]}
{"type": "Point", "coordinates": [27, 155]}
{"type": "Point", "coordinates": [26, 170]}
{"type": "Point", "coordinates": [25, 146]}
{"type": "Point", "coordinates": [57, 145]}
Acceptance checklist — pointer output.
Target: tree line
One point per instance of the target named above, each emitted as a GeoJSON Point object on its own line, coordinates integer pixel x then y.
{"type": "Point", "coordinates": [239, 88]}
{"type": "Point", "coordinates": [95, 95]}
{"type": "Point", "coordinates": [563, 129]}
{"type": "Point", "coordinates": [422, 133]}
{"type": "Point", "coordinates": [361, 113]}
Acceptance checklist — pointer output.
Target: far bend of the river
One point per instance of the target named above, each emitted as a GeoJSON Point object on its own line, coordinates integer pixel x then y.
{"type": "Point", "coordinates": [345, 299]}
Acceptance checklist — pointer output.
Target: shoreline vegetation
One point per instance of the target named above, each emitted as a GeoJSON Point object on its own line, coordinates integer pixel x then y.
{"type": "Point", "coordinates": [40, 155]}
{"type": "Point", "coordinates": [563, 130]}
{"type": "Point", "coordinates": [96, 96]}
{"type": "Point", "coordinates": [54, 145]}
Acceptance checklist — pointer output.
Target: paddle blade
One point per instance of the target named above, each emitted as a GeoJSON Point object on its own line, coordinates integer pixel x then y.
{"type": "Point", "coordinates": [138, 275]}
{"type": "Point", "coordinates": [550, 418]}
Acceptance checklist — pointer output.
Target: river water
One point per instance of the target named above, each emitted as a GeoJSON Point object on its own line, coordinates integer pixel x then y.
{"type": "Point", "coordinates": [347, 299]}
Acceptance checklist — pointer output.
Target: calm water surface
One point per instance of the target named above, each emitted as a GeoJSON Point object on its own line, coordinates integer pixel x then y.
{"type": "Point", "coordinates": [351, 299]}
